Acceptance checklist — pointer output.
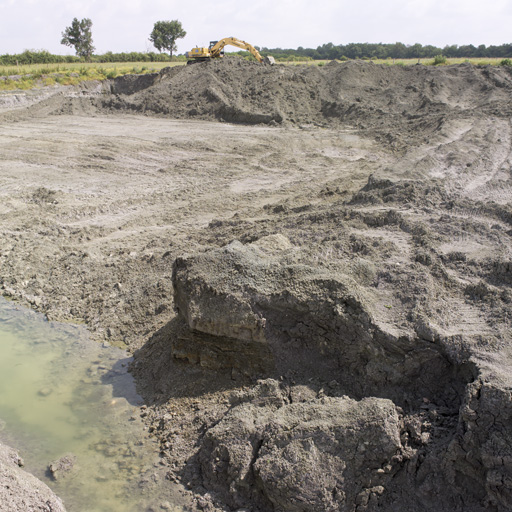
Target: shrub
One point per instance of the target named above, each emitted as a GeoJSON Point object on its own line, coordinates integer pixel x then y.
{"type": "Point", "coordinates": [506, 62]}
{"type": "Point", "coordinates": [439, 59]}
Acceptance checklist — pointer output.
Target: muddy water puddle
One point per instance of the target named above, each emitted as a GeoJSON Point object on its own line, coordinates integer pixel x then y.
{"type": "Point", "coordinates": [64, 395]}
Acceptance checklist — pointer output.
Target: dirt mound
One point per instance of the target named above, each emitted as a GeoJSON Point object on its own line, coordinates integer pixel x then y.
{"type": "Point", "coordinates": [299, 318]}
{"type": "Point", "coordinates": [401, 104]}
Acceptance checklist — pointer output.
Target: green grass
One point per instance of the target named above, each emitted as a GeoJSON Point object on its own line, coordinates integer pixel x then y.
{"type": "Point", "coordinates": [40, 75]}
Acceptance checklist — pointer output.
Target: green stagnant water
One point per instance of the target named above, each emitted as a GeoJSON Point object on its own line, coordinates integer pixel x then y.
{"type": "Point", "coordinates": [62, 393]}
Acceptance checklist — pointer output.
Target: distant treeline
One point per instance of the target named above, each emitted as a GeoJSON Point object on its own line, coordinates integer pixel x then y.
{"type": "Point", "coordinates": [45, 57]}
{"type": "Point", "coordinates": [330, 51]}
{"type": "Point", "coordinates": [327, 51]}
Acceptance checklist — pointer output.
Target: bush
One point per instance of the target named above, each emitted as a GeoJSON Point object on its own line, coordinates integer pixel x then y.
{"type": "Point", "coordinates": [506, 62]}
{"type": "Point", "coordinates": [439, 59]}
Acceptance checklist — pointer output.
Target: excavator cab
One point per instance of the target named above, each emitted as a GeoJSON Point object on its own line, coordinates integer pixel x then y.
{"type": "Point", "coordinates": [198, 54]}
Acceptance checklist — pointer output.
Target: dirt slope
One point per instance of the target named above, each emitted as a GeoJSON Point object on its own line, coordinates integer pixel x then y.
{"type": "Point", "coordinates": [348, 241]}
{"type": "Point", "coordinates": [20, 491]}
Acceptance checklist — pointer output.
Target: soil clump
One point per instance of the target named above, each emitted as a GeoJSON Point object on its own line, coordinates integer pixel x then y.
{"type": "Point", "coordinates": [312, 265]}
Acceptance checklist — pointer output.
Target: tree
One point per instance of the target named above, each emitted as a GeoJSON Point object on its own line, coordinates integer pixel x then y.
{"type": "Point", "coordinates": [165, 33]}
{"type": "Point", "coordinates": [398, 51]}
{"type": "Point", "coordinates": [79, 35]}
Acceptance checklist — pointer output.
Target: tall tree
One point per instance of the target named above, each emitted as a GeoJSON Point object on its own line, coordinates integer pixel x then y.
{"type": "Point", "coordinates": [79, 35]}
{"type": "Point", "coordinates": [164, 35]}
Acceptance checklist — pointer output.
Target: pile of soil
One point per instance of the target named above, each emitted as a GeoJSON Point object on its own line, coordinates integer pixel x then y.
{"type": "Point", "coordinates": [329, 279]}
{"type": "Point", "coordinates": [373, 97]}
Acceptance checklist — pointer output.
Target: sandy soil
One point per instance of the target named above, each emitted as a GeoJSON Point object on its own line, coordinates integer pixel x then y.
{"type": "Point", "coordinates": [398, 179]}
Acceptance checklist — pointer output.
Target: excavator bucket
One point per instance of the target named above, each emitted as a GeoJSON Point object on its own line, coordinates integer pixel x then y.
{"type": "Point", "coordinates": [269, 60]}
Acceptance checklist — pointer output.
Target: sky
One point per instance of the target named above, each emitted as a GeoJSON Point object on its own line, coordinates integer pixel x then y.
{"type": "Point", "coordinates": [125, 25]}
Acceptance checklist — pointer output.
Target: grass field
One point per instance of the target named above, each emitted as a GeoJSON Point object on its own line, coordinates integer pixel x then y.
{"type": "Point", "coordinates": [41, 75]}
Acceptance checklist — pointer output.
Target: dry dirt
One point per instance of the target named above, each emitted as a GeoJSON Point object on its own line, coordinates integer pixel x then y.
{"type": "Point", "coordinates": [367, 216]}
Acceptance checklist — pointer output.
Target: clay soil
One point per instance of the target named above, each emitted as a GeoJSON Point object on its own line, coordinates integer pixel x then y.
{"type": "Point", "coordinates": [398, 178]}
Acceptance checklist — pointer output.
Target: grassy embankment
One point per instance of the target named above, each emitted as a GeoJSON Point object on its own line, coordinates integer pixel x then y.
{"type": "Point", "coordinates": [40, 75]}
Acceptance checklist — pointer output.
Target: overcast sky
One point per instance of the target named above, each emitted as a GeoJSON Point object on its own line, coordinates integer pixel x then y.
{"type": "Point", "coordinates": [125, 25]}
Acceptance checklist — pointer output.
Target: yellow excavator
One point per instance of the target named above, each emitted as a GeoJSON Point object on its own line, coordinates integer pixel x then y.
{"type": "Point", "coordinates": [216, 50]}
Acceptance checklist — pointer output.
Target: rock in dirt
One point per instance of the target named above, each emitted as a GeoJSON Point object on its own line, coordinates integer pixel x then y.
{"type": "Point", "coordinates": [320, 455]}
{"type": "Point", "coordinates": [63, 467]}
{"type": "Point", "coordinates": [21, 491]}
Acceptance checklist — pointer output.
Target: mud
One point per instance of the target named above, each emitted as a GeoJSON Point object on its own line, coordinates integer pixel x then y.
{"type": "Point", "coordinates": [280, 245]}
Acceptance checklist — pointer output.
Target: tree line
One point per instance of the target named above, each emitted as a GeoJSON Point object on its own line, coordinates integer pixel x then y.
{"type": "Point", "coordinates": [45, 57]}
{"type": "Point", "coordinates": [325, 52]}
{"type": "Point", "coordinates": [330, 51]}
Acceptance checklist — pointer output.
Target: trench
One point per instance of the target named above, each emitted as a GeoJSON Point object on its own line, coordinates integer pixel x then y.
{"type": "Point", "coordinates": [62, 393]}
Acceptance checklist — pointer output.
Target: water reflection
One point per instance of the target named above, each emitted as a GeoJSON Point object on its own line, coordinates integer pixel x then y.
{"type": "Point", "coordinates": [63, 395]}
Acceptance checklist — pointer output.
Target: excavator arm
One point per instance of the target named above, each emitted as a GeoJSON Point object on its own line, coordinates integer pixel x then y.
{"type": "Point", "coordinates": [233, 41]}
